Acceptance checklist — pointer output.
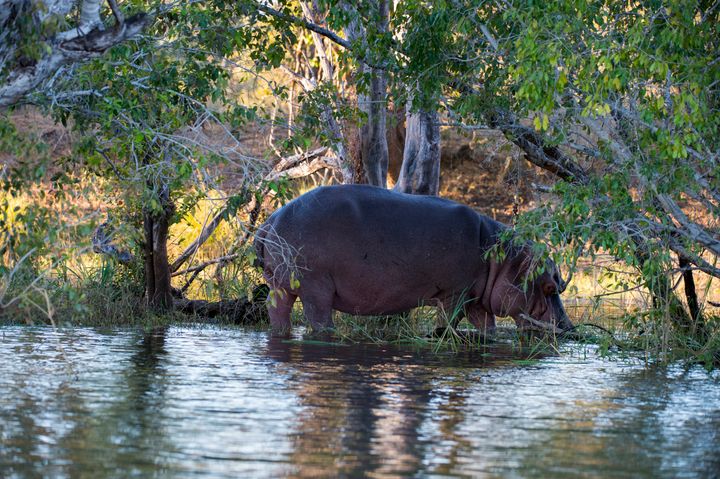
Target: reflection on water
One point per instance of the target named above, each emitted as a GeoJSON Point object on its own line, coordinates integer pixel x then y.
{"type": "Point", "coordinates": [182, 402]}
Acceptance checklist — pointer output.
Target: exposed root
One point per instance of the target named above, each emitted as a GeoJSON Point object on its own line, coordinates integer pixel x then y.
{"type": "Point", "coordinates": [541, 325]}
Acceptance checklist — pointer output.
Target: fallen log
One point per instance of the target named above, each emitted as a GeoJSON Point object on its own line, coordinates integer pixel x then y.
{"type": "Point", "coordinates": [238, 311]}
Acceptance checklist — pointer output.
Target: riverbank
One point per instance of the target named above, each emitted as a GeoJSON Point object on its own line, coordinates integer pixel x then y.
{"type": "Point", "coordinates": [613, 333]}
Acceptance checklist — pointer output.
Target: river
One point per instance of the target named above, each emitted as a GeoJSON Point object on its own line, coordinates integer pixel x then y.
{"type": "Point", "coordinates": [227, 402]}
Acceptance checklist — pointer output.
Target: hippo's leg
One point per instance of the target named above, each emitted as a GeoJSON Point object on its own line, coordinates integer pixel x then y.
{"type": "Point", "coordinates": [482, 319]}
{"type": "Point", "coordinates": [449, 314]}
{"type": "Point", "coordinates": [317, 294]}
{"type": "Point", "coordinates": [279, 308]}
{"type": "Point", "coordinates": [455, 311]}
{"type": "Point", "coordinates": [318, 311]}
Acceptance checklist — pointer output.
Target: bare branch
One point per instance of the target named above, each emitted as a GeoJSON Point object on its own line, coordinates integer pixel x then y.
{"type": "Point", "coordinates": [699, 262]}
{"type": "Point", "coordinates": [295, 166]}
{"type": "Point", "coordinates": [307, 168]}
{"type": "Point", "coordinates": [313, 27]}
{"type": "Point", "coordinates": [317, 29]}
{"type": "Point", "coordinates": [102, 245]}
{"type": "Point", "coordinates": [22, 80]}
{"type": "Point", "coordinates": [98, 41]}
{"type": "Point", "coordinates": [89, 21]}
{"type": "Point", "coordinates": [319, 46]}
{"type": "Point", "coordinates": [694, 231]}
{"type": "Point", "coordinates": [489, 37]}
{"type": "Point", "coordinates": [549, 158]}
{"type": "Point", "coordinates": [202, 266]}
{"type": "Point", "coordinates": [116, 12]}
{"type": "Point", "coordinates": [293, 160]}
{"type": "Point", "coordinates": [206, 232]}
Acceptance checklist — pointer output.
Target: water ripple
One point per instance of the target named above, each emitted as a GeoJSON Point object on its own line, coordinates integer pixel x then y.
{"type": "Point", "coordinates": [193, 401]}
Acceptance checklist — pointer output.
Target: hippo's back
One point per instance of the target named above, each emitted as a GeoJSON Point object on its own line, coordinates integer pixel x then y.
{"type": "Point", "coordinates": [354, 205]}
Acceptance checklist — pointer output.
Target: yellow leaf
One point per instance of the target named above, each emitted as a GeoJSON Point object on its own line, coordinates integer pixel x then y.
{"type": "Point", "coordinates": [562, 80]}
{"type": "Point", "coordinates": [294, 282]}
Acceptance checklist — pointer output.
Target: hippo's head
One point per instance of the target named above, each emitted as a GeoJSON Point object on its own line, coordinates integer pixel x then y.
{"type": "Point", "coordinates": [531, 299]}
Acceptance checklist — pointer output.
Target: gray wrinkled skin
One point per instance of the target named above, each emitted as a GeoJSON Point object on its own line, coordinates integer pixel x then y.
{"type": "Point", "coordinates": [365, 250]}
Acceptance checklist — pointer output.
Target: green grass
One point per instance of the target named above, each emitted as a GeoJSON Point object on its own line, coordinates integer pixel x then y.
{"type": "Point", "coordinates": [614, 335]}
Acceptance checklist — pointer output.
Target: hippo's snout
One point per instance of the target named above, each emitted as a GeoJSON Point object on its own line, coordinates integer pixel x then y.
{"type": "Point", "coordinates": [565, 324]}
{"type": "Point", "coordinates": [556, 322]}
{"type": "Point", "coordinates": [562, 321]}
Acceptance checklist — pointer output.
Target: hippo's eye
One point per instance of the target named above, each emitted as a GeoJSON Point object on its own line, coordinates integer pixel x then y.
{"type": "Point", "coordinates": [549, 288]}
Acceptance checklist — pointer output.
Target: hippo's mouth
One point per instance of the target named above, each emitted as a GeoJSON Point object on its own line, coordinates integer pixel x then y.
{"type": "Point", "coordinates": [540, 325]}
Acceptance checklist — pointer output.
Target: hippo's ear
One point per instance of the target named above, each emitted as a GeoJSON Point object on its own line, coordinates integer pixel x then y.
{"type": "Point", "coordinates": [549, 287]}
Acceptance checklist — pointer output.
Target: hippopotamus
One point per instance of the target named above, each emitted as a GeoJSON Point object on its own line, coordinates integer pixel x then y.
{"type": "Point", "coordinates": [365, 250]}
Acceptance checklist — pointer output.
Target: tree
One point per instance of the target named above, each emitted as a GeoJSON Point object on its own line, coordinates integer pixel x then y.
{"type": "Point", "coordinates": [141, 108]}
{"type": "Point", "coordinates": [369, 52]}
{"type": "Point", "coordinates": [38, 39]}
{"type": "Point", "coordinates": [371, 93]}
{"type": "Point", "coordinates": [149, 124]}
{"type": "Point", "coordinates": [420, 169]}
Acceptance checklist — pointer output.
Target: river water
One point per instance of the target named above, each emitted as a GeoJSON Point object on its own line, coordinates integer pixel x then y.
{"type": "Point", "coordinates": [224, 402]}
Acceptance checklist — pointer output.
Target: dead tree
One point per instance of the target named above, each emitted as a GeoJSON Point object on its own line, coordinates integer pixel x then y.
{"type": "Point", "coordinates": [372, 100]}
{"type": "Point", "coordinates": [420, 170]}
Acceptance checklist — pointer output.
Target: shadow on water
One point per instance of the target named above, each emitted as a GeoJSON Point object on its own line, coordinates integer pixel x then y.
{"type": "Point", "coordinates": [365, 407]}
{"type": "Point", "coordinates": [382, 411]}
{"type": "Point", "coordinates": [136, 411]}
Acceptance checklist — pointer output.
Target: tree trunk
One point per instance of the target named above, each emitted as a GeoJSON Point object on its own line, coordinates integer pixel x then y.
{"type": "Point", "coordinates": [158, 290]}
{"type": "Point", "coordinates": [373, 139]}
{"type": "Point", "coordinates": [396, 143]}
{"type": "Point", "coordinates": [420, 171]}
{"type": "Point", "coordinates": [373, 146]}
{"type": "Point", "coordinates": [697, 329]}
{"type": "Point", "coordinates": [239, 311]}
